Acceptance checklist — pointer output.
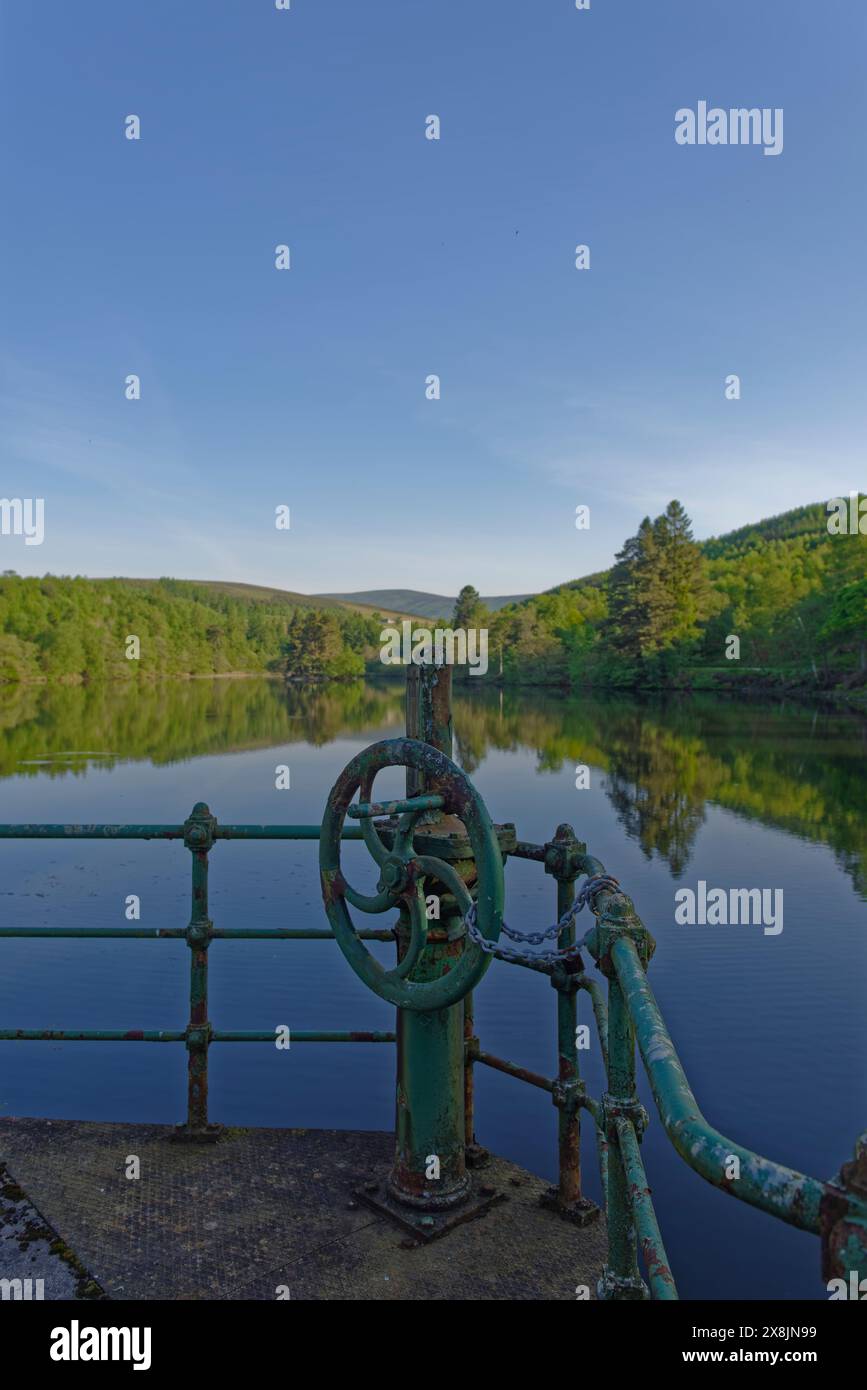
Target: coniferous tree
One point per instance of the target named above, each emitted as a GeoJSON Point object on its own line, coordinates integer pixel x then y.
{"type": "Point", "coordinates": [468, 608]}
{"type": "Point", "coordinates": [623, 627]}
{"type": "Point", "coordinates": [684, 577]}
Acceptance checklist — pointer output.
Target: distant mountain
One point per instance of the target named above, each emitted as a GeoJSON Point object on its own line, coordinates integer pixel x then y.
{"type": "Point", "coordinates": [261, 593]}
{"type": "Point", "coordinates": [393, 601]}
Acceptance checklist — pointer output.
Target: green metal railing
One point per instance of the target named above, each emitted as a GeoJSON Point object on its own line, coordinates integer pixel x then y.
{"type": "Point", "coordinates": [621, 947]}
{"type": "Point", "coordinates": [199, 833]}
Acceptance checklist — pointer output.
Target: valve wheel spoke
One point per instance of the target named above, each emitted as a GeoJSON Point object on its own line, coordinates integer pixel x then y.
{"type": "Point", "coordinates": [418, 936]}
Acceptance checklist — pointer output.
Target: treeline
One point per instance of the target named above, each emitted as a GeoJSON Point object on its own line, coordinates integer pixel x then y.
{"type": "Point", "coordinates": [783, 600]}
{"type": "Point", "coordinates": [70, 630]}
{"type": "Point", "coordinates": [792, 596]}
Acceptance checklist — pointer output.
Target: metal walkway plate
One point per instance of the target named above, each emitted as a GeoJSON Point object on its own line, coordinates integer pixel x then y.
{"type": "Point", "coordinates": [270, 1213]}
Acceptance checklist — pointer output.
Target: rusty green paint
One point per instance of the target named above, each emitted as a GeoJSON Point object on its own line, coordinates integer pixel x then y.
{"type": "Point", "coordinates": [562, 860]}
{"type": "Point", "coordinates": [361, 810]}
{"type": "Point", "coordinates": [89, 1035]}
{"type": "Point", "coordinates": [659, 1275]}
{"type": "Point", "coordinates": [533, 1078]}
{"type": "Point", "coordinates": [180, 933]}
{"type": "Point", "coordinates": [774, 1188]}
{"type": "Point", "coordinates": [430, 1095]}
{"type": "Point", "coordinates": [462, 801]}
{"type": "Point", "coordinates": [166, 832]}
{"type": "Point", "coordinates": [153, 1035]}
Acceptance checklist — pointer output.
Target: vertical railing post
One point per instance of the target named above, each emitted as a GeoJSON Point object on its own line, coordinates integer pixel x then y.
{"type": "Point", "coordinates": [621, 1277]}
{"type": "Point", "coordinates": [430, 1047]}
{"type": "Point", "coordinates": [563, 861]}
{"type": "Point", "coordinates": [477, 1156]}
{"type": "Point", "coordinates": [199, 831]}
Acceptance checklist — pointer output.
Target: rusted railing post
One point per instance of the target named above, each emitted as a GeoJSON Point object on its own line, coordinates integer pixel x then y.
{"type": "Point", "coordinates": [621, 1278]}
{"type": "Point", "coordinates": [429, 717]}
{"type": "Point", "coordinates": [199, 831]}
{"type": "Point", "coordinates": [430, 1047]}
{"type": "Point", "coordinates": [563, 862]}
{"type": "Point", "coordinates": [844, 1228]}
{"type": "Point", "coordinates": [477, 1156]}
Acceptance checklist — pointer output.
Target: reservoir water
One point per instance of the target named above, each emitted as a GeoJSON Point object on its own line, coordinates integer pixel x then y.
{"type": "Point", "coordinates": [771, 1028]}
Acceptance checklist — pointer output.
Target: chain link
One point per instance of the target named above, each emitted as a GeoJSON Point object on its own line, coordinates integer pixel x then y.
{"type": "Point", "coordinates": [542, 960]}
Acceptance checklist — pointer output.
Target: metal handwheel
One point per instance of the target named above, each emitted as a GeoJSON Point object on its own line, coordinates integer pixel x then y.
{"type": "Point", "coordinates": [402, 871]}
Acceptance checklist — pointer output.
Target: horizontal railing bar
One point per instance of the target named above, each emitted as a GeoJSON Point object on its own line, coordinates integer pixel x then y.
{"type": "Point", "coordinates": [280, 832]}
{"type": "Point", "coordinates": [176, 933]}
{"type": "Point", "coordinates": [91, 832]}
{"type": "Point", "coordinates": [296, 933]}
{"type": "Point", "coordinates": [512, 1069]}
{"type": "Point", "coordinates": [179, 933]}
{"type": "Point", "coordinates": [656, 1262]}
{"type": "Point", "coordinates": [152, 1035]}
{"type": "Point", "coordinates": [783, 1192]}
{"type": "Point", "coordinates": [89, 1035]}
{"type": "Point", "coordinates": [524, 850]}
{"type": "Point", "coordinates": [167, 832]}
{"type": "Point", "coordinates": [354, 1036]}
{"type": "Point", "coordinates": [365, 810]}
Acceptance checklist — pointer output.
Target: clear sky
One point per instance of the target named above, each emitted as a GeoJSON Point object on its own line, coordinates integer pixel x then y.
{"type": "Point", "coordinates": [410, 257]}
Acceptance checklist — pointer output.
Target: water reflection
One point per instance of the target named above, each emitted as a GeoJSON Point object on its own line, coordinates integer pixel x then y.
{"type": "Point", "coordinates": [663, 761]}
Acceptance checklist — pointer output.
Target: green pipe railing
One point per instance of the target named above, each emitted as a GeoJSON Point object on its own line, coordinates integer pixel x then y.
{"type": "Point", "coordinates": [199, 833]}
{"type": "Point", "coordinates": [621, 948]}
{"type": "Point", "coordinates": [780, 1191]}
{"type": "Point", "coordinates": [168, 832]}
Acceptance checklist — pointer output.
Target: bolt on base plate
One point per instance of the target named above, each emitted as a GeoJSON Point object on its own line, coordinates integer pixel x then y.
{"type": "Point", "coordinates": [581, 1212]}
{"type": "Point", "coordinates": [616, 1287]}
{"type": "Point", "coordinates": [425, 1226]}
{"type": "Point", "coordinates": [183, 1134]}
{"type": "Point", "coordinates": [476, 1156]}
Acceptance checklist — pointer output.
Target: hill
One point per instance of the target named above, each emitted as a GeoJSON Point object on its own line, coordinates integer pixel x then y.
{"type": "Point", "coordinates": [780, 601]}
{"type": "Point", "coordinates": [260, 593]}
{"type": "Point", "coordinates": [414, 602]}
{"type": "Point", "coordinates": [67, 630]}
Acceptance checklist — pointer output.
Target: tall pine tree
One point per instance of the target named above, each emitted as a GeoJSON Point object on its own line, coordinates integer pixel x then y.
{"type": "Point", "coordinates": [658, 591]}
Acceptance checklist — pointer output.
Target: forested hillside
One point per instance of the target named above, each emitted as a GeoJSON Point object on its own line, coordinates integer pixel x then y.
{"type": "Point", "coordinates": [783, 601]}
{"type": "Point", "coordinates": [61, 629]}
{"type": "Point", "coordinates": [792, 594]}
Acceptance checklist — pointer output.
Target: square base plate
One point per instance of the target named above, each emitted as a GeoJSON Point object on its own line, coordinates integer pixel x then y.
{"type": "Point", "coordinates": [425, 1226]}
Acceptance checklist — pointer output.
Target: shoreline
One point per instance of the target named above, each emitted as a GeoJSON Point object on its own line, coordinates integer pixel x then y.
{"type": "Point", "coordinates": [750, 687]}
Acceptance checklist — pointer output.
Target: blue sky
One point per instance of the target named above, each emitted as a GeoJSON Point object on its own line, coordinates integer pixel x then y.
{"type": "Point", "coordinates": [410, 257]}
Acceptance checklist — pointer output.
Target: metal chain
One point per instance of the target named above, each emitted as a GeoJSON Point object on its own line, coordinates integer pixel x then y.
{"type": "Point", "coordinates": [543, 960]}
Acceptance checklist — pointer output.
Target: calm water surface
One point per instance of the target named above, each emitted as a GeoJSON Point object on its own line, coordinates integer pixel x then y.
{"type": "Point", "coordinates": [772, 1030]}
